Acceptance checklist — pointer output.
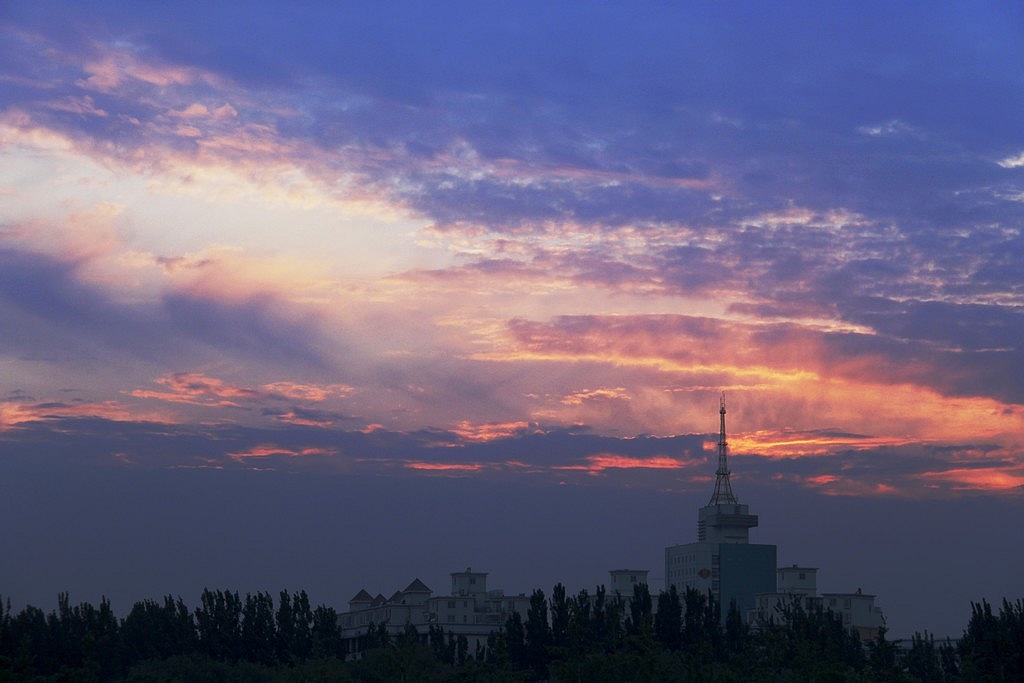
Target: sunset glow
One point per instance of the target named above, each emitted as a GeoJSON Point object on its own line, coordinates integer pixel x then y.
{"type": "Point", "coordinates": [516, 245]}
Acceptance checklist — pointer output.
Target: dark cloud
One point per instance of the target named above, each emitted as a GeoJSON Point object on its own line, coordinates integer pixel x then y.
{"type": "Point", "coordinates": [960, 349]}
{"type": "Point", "coordinates": [249, 328]}
{"type": "Point", "coordinates": [533, 453]}
{"type": "Point", "coordinates": [303, 415]}
{"type": "Point", "coordinates": [955, 326]}
{"type": "Point", "coordinates": [50, 314]}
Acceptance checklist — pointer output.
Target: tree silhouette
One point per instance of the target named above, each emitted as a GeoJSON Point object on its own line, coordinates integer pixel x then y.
{"type": "Point", "coordinates": [668, 620]}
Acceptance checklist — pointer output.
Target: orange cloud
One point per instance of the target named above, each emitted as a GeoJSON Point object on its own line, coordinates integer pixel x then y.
{"type": "Point", "coordinates": [838, 485]}
{"type": "Point", "coordinates": [444, 467]}
{"type": "Point", "coordinates": [308, 392]}
{"type": "Point", "coordinates": [793, 444]}
{"type": "Point", "coordinates": [595, 464]}
{"type": "Point", "coordinates": [981, 479]}
{"type": "Point", "coordinates": [268, 450]}
{"type": "Point", "coordinates": [584, 395]}
{"type": "Point", "coordinates": [785, 379]}
{"type": "Point", "coordinates": [488, 431]}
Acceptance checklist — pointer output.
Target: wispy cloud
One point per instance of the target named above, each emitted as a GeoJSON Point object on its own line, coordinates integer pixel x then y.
{"type": "Point", "coordinates": [1012, 161]}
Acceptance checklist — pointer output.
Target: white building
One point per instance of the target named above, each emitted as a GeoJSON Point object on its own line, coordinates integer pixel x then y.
{"type": "Point", "coordinates": [799, 585]}
{"type": "Point", "coordinates": [624, 582]}
{"type": "Point", "coordinates": [470, 610]}
{"type": "Point", "coordinates": [857, 611]}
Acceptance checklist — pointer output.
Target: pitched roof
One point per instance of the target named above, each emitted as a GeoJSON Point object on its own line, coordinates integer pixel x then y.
{"type": "Point", "coordinates": [362, 596]}
{"type": "Point", "coordinates": [417, 586]}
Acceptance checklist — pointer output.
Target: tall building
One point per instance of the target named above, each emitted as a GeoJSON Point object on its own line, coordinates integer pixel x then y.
{"type": "Point", "coordinates": [723, 560]}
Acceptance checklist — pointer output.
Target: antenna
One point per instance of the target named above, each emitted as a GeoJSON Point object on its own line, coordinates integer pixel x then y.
{"type": "Point", "coordinates": [723, 489]}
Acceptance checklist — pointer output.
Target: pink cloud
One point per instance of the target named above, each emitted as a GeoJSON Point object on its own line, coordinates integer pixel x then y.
{"type": "Point", "coordinates": [196, 110]}
{"type": "Point", "coordinates": [306, 420]}
{"type": "Point", "coordinates": [188, 132]}
{"type": "Point", "coordinates": [114, 68]}
{"type": "Point", "coordinates": [234, 275]}
{"type": "Point", "coordinates": [83, 106]}
{"type": "Point", "coordinates": [302, 400]}
{"type": "Point", "coordinates": [13, 414]}
{"type": "Point", "coordinates": [198, 389]}
{"type": "Point", "coordinates": [249, 139]}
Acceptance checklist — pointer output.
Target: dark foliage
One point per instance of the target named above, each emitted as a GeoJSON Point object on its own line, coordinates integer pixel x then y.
{"type": "Point", "coordinates": [590, 637]}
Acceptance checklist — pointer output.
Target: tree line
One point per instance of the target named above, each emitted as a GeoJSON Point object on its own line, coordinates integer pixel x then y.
{"type": "Point", "coordinates": [581, 637]}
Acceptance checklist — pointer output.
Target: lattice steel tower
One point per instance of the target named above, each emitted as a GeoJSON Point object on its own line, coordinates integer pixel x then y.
{"type": "Point", "coordinates": [723, 489]}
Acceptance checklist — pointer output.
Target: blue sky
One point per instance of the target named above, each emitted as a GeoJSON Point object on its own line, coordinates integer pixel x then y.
{"type": "Point", "coordinates": [437, 251]}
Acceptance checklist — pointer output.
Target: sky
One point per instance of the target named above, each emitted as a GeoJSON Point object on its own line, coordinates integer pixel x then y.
{"type": "Point", "coordinates": [331, 296]}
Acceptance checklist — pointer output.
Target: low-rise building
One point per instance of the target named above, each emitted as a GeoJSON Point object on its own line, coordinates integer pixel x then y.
{"type": "Point", "coordinates": [471, 610]}
{"type": "Point", "coordinates": [798, 586]}
{"type": "Point", "coordinates": [625, 581]}
{"type": "Point", "coordinates": [858, 612]}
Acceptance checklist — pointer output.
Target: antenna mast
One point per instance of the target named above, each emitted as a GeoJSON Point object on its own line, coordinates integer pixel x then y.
{"type": "Point", "coordinates": [723, 489]}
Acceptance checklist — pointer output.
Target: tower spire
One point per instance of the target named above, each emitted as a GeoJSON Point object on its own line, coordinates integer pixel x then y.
{"type": "Point", "coordinates": [723, 489]}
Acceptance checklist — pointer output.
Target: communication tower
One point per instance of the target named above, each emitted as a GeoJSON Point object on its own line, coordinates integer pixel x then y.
{"type": "Point", "coordinates": [723, 489]}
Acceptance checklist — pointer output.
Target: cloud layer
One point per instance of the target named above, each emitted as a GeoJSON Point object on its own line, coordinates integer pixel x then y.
{"type": "Point", "coordinates": [529, 246]}
{"type": "Point", "coordinates": [601, 243]}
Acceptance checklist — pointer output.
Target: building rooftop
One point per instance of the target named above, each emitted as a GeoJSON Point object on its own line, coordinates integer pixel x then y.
{"type": "Point", "coordinates": [417, 586]}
